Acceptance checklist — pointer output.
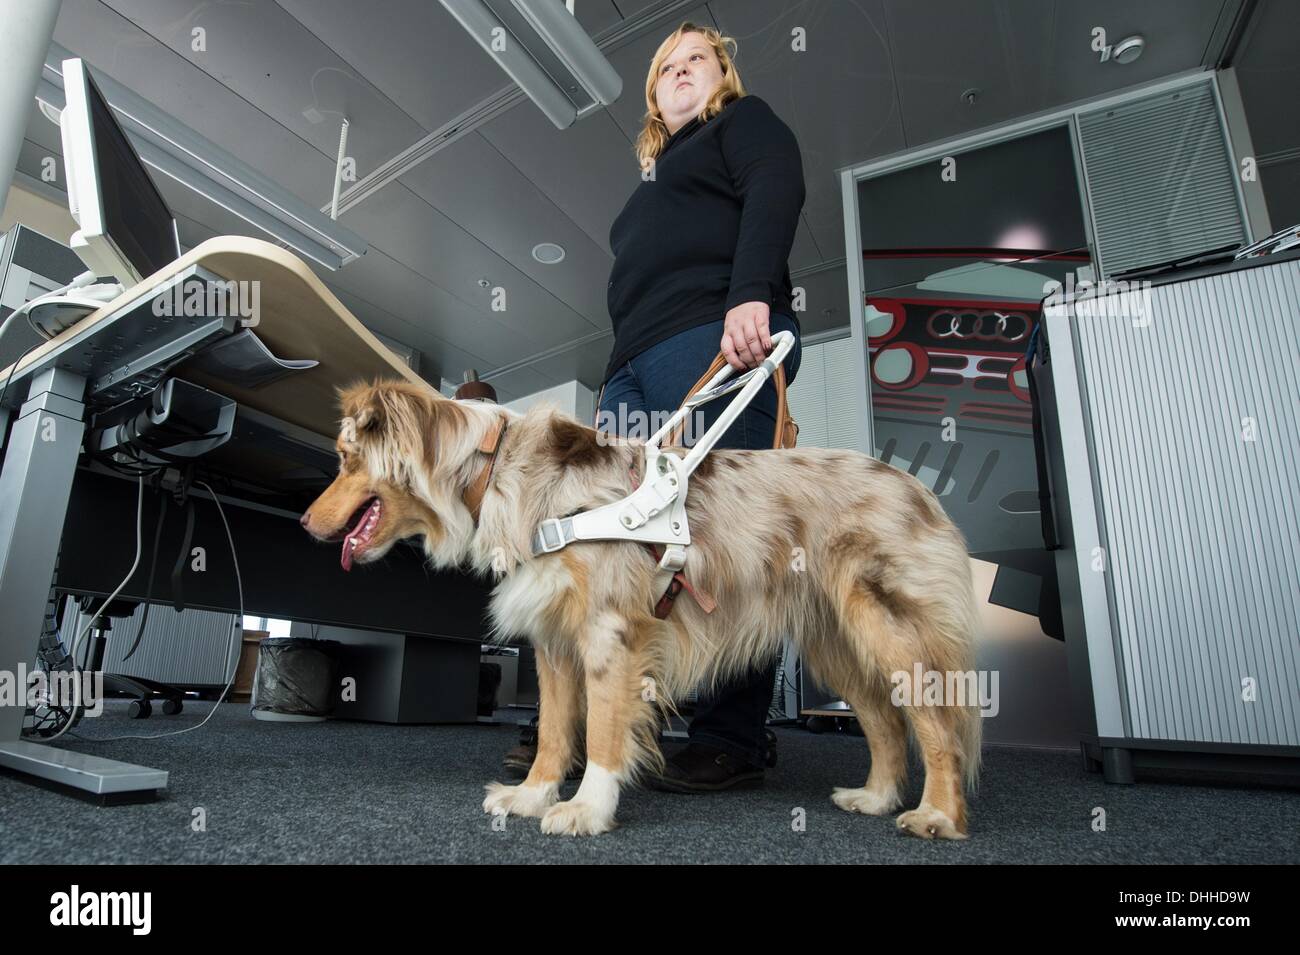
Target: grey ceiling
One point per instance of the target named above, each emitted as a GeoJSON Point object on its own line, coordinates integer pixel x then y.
{"type": "Point", "coordinates": [878, 76]}
{"type": "Point", "coordinates": [1268, 69]}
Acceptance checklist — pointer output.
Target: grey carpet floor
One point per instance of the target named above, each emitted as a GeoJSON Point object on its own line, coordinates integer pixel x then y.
{"type": "Point", "coordinates": [342, 792]}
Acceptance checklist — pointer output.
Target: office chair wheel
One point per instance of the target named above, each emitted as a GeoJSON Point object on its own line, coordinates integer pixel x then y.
{"type": "Point", "coordinates": [172, 707]}
{"type": "Point", "coordinates": [140, 709]}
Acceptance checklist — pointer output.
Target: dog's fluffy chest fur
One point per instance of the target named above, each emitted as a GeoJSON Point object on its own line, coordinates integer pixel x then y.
{"type": "Point", "coordinates": [536, 591]}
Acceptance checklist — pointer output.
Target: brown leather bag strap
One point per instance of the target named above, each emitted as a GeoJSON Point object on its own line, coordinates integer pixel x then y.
{"type": "Point", "coordinates": [782, 410]}
{"type": "Point", "coordinates": [786, 429]}
{"type": "Point", "coordinates": [714, 368]}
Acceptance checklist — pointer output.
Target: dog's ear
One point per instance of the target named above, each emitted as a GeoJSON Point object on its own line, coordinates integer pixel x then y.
{"type": "Point", "coordinates": [370, 410]}
{"type": "Point", "coordinates": [370, 417]}
{"type": "Point", "coordinates": [364, 409]}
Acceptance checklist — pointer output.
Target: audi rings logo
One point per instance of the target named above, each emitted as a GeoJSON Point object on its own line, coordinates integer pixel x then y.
{"type": "Point", "coordinates": [980, 326]}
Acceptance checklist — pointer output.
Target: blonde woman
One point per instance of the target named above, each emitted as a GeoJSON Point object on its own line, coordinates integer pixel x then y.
{"type": "Point", "coordinates": [700, 254]}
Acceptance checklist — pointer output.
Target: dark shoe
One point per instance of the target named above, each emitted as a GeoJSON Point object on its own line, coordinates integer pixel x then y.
{"type": "Point", "coordinates": [700, 768]}
{"type": "Point", "coordinates": [519, 761]}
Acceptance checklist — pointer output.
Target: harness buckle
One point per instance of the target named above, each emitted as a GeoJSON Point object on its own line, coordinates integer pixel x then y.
{"type": "Point", "coordinates": [674, 558]}
{"type": "Point", "coordinates": [551, 535]}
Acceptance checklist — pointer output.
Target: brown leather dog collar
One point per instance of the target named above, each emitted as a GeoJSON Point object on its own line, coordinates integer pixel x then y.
{"type": "Point", "coordinates": [473, 495]}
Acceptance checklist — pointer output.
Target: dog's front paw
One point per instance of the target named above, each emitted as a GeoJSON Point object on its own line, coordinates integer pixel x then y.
{"type": "Point", "coordinates": [929, 823]}
{"type": "Point", "coordinates": [522, 800]}
{"type": "Point", "coordinates": [574, 818]}
{"type": "Point", "coordinates": [865, 801]}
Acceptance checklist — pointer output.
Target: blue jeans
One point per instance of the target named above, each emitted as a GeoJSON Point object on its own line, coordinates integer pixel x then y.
{"type": "Point", "coordinates": [636, 400]}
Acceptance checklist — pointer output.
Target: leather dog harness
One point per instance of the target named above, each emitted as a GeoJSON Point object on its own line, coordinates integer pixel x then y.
{"type": "Point", "coordinates": [473, 495]}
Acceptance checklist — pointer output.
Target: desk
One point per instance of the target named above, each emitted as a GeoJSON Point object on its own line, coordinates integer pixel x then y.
{"type": "Point", "coordinates": [125, 350]}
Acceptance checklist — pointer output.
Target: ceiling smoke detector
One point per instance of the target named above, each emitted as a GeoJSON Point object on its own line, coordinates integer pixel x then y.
{"type": "Point", "coordinates": [548, 253]}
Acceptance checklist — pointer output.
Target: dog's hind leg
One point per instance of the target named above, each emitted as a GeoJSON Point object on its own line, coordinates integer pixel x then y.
{"type": "Point", "coordinates": [620, 722]}
{"type": "Point", "coordinates": [558, 720]}
{"type": "Point", "coordinates": [942, 812]}
{"type": "Point", "coordinates": [890, 634]}
{"type": "Point", "coordinates": [886, 732]}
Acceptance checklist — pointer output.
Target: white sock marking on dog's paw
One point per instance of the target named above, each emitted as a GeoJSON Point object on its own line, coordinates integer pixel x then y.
{"type": "Point", "coordinates": [522, 800]}
{"type": "Point", "coordinates": [929, 823]}
{"type": "Point", "coordinates": [591, 810]}
{"type": "Point", "coordinates": [573, 818]}
{"type": "Point", "coordinates": [866, 801]}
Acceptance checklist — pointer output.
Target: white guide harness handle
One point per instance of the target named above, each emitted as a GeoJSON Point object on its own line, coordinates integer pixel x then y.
{"type": "Point", "coordinates": [750, 383]}
{"type": "Point", "coordinates": [656, 511]}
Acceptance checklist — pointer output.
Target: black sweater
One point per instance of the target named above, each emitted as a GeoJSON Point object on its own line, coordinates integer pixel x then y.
{"type": "Point", "coordinates": [713, 228]}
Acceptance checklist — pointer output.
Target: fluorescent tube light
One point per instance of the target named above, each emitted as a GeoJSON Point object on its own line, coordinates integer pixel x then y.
{"type": "Point", "coordinates": [544, 49]}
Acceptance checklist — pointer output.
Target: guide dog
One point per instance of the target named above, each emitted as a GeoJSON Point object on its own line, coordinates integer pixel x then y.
{"type": "Point", "coordinates": [851, 558]}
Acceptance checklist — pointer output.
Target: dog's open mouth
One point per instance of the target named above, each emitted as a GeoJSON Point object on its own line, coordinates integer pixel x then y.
{"type": "Point", "coordinates": [363, 523]}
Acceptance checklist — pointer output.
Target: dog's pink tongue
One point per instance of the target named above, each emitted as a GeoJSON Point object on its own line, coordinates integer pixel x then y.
{"type": "Point", "coordinates": [357, 534]}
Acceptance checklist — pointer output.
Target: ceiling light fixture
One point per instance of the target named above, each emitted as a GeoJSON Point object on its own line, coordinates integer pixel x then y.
{"type": "Point", "coordinates": [544, 49]}
{"type": "Point", "coordinates": [485, 111]}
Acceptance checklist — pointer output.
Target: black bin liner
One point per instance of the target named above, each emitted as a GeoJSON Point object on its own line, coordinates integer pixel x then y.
{"type": "Point", "coordinates": [489, 688]}
{"type": "Point", "coordinates": [297, 676]}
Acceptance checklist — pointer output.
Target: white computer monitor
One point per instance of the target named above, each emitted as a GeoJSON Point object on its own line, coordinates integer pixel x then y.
{"type": "Point", "coordinates": [125, 228]}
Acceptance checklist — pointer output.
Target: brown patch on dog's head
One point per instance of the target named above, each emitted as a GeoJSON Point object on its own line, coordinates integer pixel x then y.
{"type": "Point", "coordinates": [414, 421]}
{"type": "Point", "coordinates": [388, 431]}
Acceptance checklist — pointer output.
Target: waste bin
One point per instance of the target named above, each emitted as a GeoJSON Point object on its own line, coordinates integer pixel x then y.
{"type": "Point", "coordinates": [297, 679]}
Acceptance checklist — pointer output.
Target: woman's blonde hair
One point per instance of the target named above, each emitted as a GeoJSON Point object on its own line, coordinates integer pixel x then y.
{"type": "Point", "coordinates": [654, 132]}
